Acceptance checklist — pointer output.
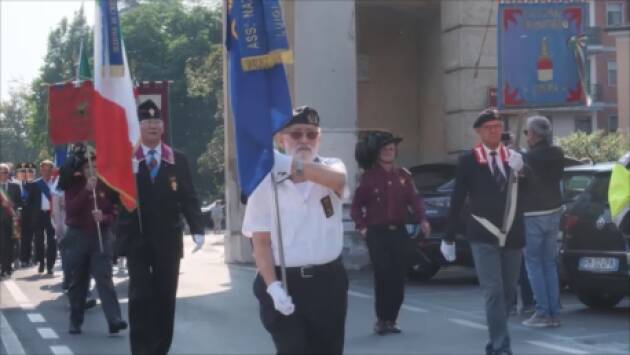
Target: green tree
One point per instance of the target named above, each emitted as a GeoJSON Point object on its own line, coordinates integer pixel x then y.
{"type": "Point", "coordinates": [60, 64]}
{"type": "Point", "coordinates": [597, 147]}
{"type": "Point", "coordinates": [15, 145]}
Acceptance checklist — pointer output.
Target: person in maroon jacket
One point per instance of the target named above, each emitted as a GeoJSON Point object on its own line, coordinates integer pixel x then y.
{"type": "Point", "coordinates": [85, 253]}
{"type": "Point", "coordinates": [381, 206]}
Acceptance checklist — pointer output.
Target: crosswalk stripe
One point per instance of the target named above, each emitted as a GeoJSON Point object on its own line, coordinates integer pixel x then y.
{"type": "Point", "coordinates": [47, 333]}
{"type": "Point", "coordinates": [555, 347]}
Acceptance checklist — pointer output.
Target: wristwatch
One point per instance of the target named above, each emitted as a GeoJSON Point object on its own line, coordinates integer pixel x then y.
{"type": "Point", "coordinates": [299, 168]}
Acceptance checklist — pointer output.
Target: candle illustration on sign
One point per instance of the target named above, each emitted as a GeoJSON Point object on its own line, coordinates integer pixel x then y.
{"type": "Point", "coordinates": [544, 64]}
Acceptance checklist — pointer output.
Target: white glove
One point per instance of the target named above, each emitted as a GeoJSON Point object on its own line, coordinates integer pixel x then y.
{"type": "Point", "coordinates": [448, 250]}
{"type": "Point", "coordinates": [515, 161]}
{"type": "Point", "coordinates": [199, 240]}
{"type": "Point", "coordinates": [281, 301]}
{"type": "Point", "coordinates": [282, 163]}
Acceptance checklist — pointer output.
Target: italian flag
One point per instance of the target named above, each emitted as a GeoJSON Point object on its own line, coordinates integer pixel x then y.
{"type": "Point", "coordinates": [116, 127]}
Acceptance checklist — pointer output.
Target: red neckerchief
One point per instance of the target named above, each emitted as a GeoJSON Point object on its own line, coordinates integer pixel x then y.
{"type": "Point", "coordinates": [482, 158]}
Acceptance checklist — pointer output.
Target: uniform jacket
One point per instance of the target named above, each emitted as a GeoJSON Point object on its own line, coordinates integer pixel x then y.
{"type": "Point", "coordinates": [386, 198]}
{"type": "Point", "coordinates": [161, 205]}
{"type": "Point", "coordinates": [474, 182]}
{"type": "Point", "coordinates": [34, 201]}
{"type": "Point", "coordinates": [6, 220]}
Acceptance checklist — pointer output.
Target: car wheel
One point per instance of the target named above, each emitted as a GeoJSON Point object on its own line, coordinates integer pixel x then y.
{"type": "Point", "coordinates": [423, 271]}
{"type": "Point", "coordinates": [599, 299]}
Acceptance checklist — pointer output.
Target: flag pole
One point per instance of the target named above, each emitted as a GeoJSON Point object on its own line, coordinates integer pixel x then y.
{"type": "Point", "coordinates": [283, 268]}
{"type": "Point", "coordinates": [98, 224]}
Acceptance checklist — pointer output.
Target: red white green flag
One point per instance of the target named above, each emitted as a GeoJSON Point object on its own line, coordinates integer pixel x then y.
{"type": "Point", "coordinates": [116, 127]}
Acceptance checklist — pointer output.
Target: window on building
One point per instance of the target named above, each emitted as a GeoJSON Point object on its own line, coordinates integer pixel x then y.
{"type": "Point", "coordinates": [583, 124]}
{"type": "Point", "coordinates": [613, 123]}
{"type": "Point", "coordinates": [614, 14]}
{"type": "Point", "coordinates": [612, 73]}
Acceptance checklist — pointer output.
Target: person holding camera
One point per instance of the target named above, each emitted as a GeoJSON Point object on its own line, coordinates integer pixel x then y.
{"type": "Point", "coordinates": [88, 242]}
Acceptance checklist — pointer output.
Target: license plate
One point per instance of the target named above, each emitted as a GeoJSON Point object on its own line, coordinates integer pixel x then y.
{"type": "Point", "coordinates": [598, 264]}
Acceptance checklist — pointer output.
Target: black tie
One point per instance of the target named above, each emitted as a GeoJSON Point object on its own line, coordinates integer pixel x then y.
{"type": "Point", "coordinates": [496, 172]}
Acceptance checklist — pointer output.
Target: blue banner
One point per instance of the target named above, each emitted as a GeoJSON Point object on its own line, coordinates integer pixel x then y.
{"type": "Point", "coordinates": [538, 62]}
{"type": "Point", "coordinates": [112, 41]}
{"type": "Point", "coordinates": [258, 89]}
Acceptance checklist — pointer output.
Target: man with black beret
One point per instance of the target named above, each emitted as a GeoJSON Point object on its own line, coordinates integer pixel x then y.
{"type": "Point", "coordinates": [308, 317]}
{"type": "Point", "coordinates": [154, 234]}
{"type": "Point", "coordinates": [380, 210]}
{"type": "Point", "coordinates": [482, 178]}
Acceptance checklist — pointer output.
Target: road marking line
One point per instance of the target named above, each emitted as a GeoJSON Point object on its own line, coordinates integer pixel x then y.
{"type": "Point", "coordinates": [47, 333]}
{"type": "Point", "coordinates": [404, 306]}
{"type": "Point", "coordinates": [10, 341]}
{"type": "Point", "coordinates": [61, 350]}
{"type": "Point", "coordinates": [27, 306]}
{"type": "Point", "coordinates": [469, 324]}
{"type": "Point", "coordinates": [36, 318]}
{"type": "Point", "coordinates": [359, 294]}
{"type": "Point", "coordinates": [17, 294]}
{"type": "Point", "coordinates": [564, 349]}
{"type": "Point", "coordinates": [414, 309]}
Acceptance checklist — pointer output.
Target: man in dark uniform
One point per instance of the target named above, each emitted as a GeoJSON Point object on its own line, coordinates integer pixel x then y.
{"type": "Point", "coordinates": [483, 178]}
{"type": "Point", "coordinates": [40, 202]}
{"type": "Point", "coordinates": [154, 234]}
{"type": "Point", "coordinates": [380, 209]}
{"type": "Point", "coordinates": [26, 219]}
{"type": "Point", "coordinates": [9, 203]}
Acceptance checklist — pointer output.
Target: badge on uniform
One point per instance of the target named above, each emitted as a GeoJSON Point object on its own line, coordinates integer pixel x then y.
{"type": "Point", "coordinates": [173, 181]}
{"type": "Point", "coordinates": [101, 194]}
{"type": "Point", "coordinates": [327, 206]}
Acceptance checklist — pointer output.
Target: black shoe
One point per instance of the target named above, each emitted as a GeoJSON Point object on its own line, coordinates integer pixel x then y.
{"type": "Point", "coordinates": [49, 272]}
{"type": "Point", "coordinates": [118, 326]}
{"type": "Point", "coordinates": [91, 303]}
{"type": "Point", "coordinates": [380, 327]}
{"type": "Point", "coordinates": [74, 329]}
{"type": "Point", "coordinates": [41, 268]}
{"type": "Point", "coordinates": [392, 327]}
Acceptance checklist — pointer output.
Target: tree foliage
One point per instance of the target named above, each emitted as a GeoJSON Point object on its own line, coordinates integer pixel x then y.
{"type": "Point", "coordinates": [164, 40]}
{"type": "Point", "coordinates": [60, 65]}
{"type": "Point", "coordinates": [14, 142]}
{"type": "Point", "coordinates": [597, 147]}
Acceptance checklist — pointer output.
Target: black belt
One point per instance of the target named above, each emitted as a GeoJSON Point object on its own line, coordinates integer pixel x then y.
{"type": "Point", "coordinates": [309, 271]}
{"type": "Point", "coordinates": [391, 227]}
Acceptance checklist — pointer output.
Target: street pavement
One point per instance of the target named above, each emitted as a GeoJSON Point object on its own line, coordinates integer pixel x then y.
{"type": "Point", "coordinates": [218, 314]}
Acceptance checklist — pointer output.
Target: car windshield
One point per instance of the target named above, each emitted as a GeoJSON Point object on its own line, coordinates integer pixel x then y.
{"type": "Point", "coordinates": [447, 186]}
{"type": "Point", "coordinates": [429, 181]}
{"type": "Point", "coordinates": [575, 183]}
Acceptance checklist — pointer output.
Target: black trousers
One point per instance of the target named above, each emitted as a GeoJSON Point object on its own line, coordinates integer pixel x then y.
{"type": "Point", "coordinates": [6, 248]}
{"type": "Point", "coordinates": [387, 253]}
{"type": "Point", "coordinates": [45, 252]}
{"type": "Point", "coordinates": [84, 258]}
{"type": "Point", "coordinates": [318, 324]}
{"type": "Point", "coordinates": [153, 277]}
{"type": "Point", "coordinates": [26, 242]}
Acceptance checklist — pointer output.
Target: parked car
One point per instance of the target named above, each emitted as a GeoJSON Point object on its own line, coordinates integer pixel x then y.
{"type": "Point", "coordinates": [435, 182]}
{"type": "Point", "coordinates": [594, 253]}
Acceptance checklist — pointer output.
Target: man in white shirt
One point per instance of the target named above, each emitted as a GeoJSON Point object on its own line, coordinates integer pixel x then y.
{"type": "Point", "coordinates": [41, 202]}
{"type": "Point", "coordinates": [310, 316]}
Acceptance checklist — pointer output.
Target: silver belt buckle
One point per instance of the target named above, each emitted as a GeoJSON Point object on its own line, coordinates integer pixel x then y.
{"type": "Point", "coordinates": [306, 272]}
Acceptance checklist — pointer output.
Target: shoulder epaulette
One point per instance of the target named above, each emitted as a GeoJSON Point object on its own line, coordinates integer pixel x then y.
{"type": "Point", "coordinates": [405, 170]}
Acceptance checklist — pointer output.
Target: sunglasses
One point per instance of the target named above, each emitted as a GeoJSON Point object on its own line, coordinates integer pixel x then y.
{"type": "Point", "coordinates": [297, 135]}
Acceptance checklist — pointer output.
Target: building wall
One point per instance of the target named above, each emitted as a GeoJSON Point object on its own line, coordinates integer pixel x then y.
{"type": "Point", "coordinates": [609, 92]}
{"type": "Point", "coordinates": [399, 83]}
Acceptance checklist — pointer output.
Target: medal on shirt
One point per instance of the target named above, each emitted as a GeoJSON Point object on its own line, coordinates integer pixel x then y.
{"type": "Point", "coordinates": [173, 181]}
{"type": "Point", "coordinates": [101, 194]}
{"type": "Point", "coordinates": [327, 206]}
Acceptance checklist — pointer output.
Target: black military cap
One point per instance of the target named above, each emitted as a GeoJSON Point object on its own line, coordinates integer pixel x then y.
{"type": "Point", "coordinates": [304, 115]}
{"type": "Point", "coordinates": [148, 110]}
{"type": "Point", "coordinates": [489, 114]}
{"type": "Point", "coordinates": [369, 145]}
